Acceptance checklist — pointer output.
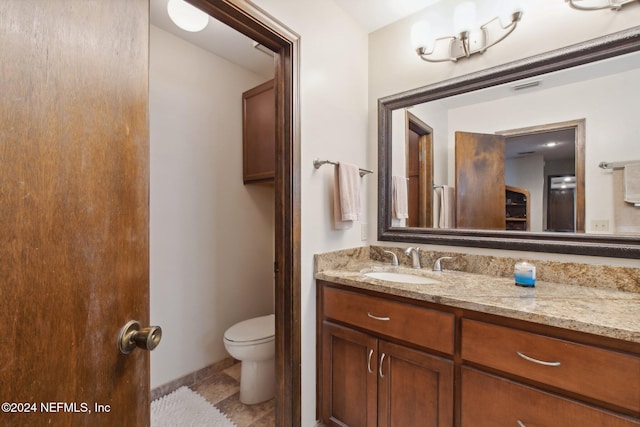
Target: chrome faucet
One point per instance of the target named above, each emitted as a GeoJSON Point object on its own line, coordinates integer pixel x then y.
{"type": "Point", "coordinates": [437, 266]}
{"type": "Point", "coordinates": [394, 259]}
{"type": "Point", "coordinates": [414, 253]}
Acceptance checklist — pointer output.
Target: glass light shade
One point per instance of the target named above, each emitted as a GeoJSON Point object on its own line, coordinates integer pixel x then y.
{"type": "Point", "coordinates": [186, 16]}
{"type": "Point", "coordinates": [464, 17]}
{"type": "Point", "coordinates": [421, 35]}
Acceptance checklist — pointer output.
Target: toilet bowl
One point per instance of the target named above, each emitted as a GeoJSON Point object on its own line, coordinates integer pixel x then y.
{"type": "Point", "coordinates": [252, 342]}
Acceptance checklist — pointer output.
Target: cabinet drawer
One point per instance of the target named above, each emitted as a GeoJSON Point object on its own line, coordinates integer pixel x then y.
{"type": "Point", "coordinates": [600, 374]}
{"type": "Point", "coordinates": [491, 401]}
{"type": "Point", "coordinates": [426, 328]}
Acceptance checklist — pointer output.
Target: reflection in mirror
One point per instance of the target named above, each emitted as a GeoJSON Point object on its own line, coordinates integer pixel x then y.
{"type": "Point", "coordinates": [514, 151]}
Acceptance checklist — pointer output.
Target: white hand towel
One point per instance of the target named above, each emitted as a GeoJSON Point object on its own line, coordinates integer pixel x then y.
{"type": "Point", "coordinates": [400, 200]}
{"type": "Point", "coordinates": [437, 206]}
{"type": "Point", "coordinates": [632, 183]}
{"type": "Point", "coordinates": [447, 207]}
{"type": "Point", "coordinates": [346, 196]}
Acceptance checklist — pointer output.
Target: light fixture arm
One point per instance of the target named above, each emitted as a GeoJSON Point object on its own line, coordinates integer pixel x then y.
{"type": "Point", "coordinates": [460, 46]}
{"type": "Point", "coordinates": [510, 27]}
{"type": "Point", "coordinates": [606, 4]}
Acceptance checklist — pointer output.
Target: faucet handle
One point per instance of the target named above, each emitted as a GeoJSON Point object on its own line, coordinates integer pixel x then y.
{"type": "Point", "coordinates": [394, 260]}
{"type": "Point", "coordinates": [437, 266]}
{"type": "Point", "coordinates": [407, 251]}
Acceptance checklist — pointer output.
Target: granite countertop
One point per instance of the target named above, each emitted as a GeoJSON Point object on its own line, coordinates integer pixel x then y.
{"type": "Point", "coordinates": [605, 312]}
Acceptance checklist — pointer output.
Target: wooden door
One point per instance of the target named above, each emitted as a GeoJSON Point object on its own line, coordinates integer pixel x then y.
{"type": "Point", "coordinates": [419, 172]}
{"type": "Point", "coordinates": [413, 178]}
{"type": "Point", "coordinates": [414, 388]}
{"type": "Point", "coordinates": [349, 375]}
{"type": "Point", "coordinates": [560, 209]}
{"type": "Point", "coordinates": [480, 182]}
{"type": "Point", "coordinates": [74, 220]}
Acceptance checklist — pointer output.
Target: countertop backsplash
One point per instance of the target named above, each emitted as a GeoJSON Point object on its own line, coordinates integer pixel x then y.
{"type": "Point", "coordinates": [581, 274]}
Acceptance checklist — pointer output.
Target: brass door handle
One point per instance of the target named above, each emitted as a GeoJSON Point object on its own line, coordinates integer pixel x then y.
{"type": "Point", "coordinates": [132, 335]}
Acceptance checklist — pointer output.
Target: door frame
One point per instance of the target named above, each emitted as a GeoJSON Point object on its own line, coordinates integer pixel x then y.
{"type": "Point", "coordinates": [425, 177]}
{"type": "Point", "coordinates": [579, 129]}
{"type": "Point", "coordinates": [258, 25]}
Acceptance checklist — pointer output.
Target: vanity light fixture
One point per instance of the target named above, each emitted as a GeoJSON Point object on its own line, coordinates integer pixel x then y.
{"type": "Point", "coordinates": [186, 16]}
{"type": "Point", "coordinates": [598, 4]}
{"type": "Point", "coordinates": [468, 40]}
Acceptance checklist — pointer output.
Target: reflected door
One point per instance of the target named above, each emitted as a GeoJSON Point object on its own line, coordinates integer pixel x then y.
{"type": "Point", "coordinates": [480, 182]}
{"type": "Point", "coordinates": [419, 172]}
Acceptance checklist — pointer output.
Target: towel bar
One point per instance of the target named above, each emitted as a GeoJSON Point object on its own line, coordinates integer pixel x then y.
{"type": "Point", "coordinates": [616, 165]}
{"type": "Point", "coordinates": [317, 163]}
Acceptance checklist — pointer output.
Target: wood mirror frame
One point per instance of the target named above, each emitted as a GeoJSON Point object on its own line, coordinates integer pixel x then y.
{"type": "Point", "coordinates": [620, 246]}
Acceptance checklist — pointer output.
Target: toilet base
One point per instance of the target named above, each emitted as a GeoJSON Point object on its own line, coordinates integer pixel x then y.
{"type": "Point", "coordinates": [257, 381]}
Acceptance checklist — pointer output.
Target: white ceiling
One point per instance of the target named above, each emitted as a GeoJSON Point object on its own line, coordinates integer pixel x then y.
{"type": "Point", "coordinates": [375, 14]}
{"type": "Point", "coordinates": [217, 38]}
{"type": "Point", "coordinates": [227, 43]}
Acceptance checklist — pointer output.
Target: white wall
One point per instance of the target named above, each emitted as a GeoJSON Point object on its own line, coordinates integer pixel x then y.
{"type": "Point", "coordinates": [333, 108]}
{"type": "Point", "coordinates": [209, 269]}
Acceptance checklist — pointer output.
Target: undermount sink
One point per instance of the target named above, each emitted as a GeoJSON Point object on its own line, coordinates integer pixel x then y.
{"type": "Point", "coordinates": [392, 276]}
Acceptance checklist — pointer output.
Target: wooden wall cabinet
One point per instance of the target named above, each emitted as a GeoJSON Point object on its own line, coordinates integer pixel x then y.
{"type": "Point", "coordinates": [259, 133]}
{"type": "Point", "coordinates": [396, 362]}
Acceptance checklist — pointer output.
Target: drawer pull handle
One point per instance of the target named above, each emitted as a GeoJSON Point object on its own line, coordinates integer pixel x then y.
{"type": "Point", "coordinates": [539, 362]}
{"type": "Point", "coordinates": [380, 367]}
{"type": "Point", "coordinates": [377, 318]}
{"type": "Point", "coordinates": [521, 424]}
{"type": "Point", "coordinates": [369, 361]}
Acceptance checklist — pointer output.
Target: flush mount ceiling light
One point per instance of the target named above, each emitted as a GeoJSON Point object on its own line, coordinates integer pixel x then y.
{"type": "Point", "coordinates": [468, 40]}
{"type": "Point", "coordinates": [598, 4]}
{"type": "Point", "coordinates": [186, 16]}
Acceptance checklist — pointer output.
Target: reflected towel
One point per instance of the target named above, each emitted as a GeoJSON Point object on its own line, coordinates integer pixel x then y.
{"type": "Point", "coordinates": [626, 217]}
{"type": "Point", "coordinates": [346, 196]}
{"type": "Point", "coordinates": [632, 183]}
{"type": "Point", "coordinates": [400, 200]}
{"type": "Point", "coordinates": [446, 207]}
{"type": "Point", "coordinates": [437, 208]}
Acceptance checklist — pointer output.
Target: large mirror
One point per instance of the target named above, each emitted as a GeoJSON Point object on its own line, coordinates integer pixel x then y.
{"type": "Point", "coordinates": [509, 157]}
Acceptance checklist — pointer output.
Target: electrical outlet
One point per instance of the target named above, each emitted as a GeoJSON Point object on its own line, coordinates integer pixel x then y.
{"type": "Point", "coordinates": [600, 225]}
{"type": "Point", "coordinates": [363, 232]}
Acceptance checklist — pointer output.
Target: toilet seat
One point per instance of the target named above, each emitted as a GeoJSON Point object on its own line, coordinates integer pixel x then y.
{"type": "Point", "coordinates": [252, 331]}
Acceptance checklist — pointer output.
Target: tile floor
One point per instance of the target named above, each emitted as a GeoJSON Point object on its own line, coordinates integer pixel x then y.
{"type": "Point", "coordinates": [222, 389]}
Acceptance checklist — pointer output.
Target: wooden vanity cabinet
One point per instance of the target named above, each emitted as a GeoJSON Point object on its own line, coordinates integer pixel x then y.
{"type": "Point", "coordinates": [385, 362]}
{"type": "Point", "coordinates": [492, 401]}
{"type": "Point", "coordinates": [369, 380]}
{"type": "Point", "coordinates": [259, 133]}
{"type": "Point", "coordinates": [519, 365]}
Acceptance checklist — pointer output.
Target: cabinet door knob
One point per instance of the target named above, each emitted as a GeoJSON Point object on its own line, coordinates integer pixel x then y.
{"type": "Point", "coordinates": [380, 367]}
{"type": "Point", "coordinates": [521, 424]}
{"type": "Point", "coordinates": [369, 362]}
{"type": "Point", "coordinates": [539, 362]}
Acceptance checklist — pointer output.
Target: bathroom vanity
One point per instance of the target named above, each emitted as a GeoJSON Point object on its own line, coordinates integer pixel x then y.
{"type": "Point", "coordinates": [473, 350]}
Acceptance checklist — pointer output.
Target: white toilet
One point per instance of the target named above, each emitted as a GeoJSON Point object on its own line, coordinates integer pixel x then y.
{"type": "Point", "coordinates": [252, 342]}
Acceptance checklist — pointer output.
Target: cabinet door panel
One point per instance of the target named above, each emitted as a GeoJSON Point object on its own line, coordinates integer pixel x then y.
{"type": "Point", "coordinates": [259, 133]}
{"type": "Point", "coordinates": [349, 377]}
{"type": "Point", "coordinates": [490, 401]}
{"type": "Point", "coordinates": [414, 388]}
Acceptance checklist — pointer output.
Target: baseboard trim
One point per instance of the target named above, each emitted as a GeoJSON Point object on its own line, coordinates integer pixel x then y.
{"type": "Point", "coordinates": [192, 378]}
